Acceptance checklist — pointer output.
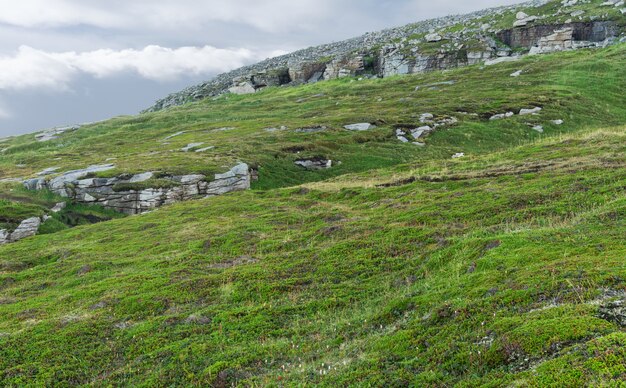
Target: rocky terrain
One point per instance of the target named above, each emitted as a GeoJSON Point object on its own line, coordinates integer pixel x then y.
{"type": "Point", "coordinates": [430, 45]}
{"type": "Point", "coordinates": [139, 193]}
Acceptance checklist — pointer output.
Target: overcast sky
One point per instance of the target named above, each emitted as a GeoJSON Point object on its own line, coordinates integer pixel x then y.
{"type": "Point", "coordinates": [71, 61]}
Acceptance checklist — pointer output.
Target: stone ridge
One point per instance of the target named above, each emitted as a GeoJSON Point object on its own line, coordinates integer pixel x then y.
{"type": "Point", "coordinates": [133, 194]}
{"type": "Point", "coordinates": [308, 64]}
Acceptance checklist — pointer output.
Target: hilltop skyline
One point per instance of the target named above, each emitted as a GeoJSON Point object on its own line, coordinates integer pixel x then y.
{"type": "Point", "coordinates": [79, 63]}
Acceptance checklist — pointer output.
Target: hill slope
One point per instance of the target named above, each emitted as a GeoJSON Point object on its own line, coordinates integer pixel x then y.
{"type": "Point", "coordinates": [485, 270]}
{"type": "Point", "coordinates": [398, 266]}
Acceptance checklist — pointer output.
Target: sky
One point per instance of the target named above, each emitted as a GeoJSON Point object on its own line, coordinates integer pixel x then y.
{"type": "Point", "coordinates": [65, 62]}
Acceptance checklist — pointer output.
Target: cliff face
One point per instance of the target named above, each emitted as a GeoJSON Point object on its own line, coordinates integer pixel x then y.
{"type": "Point", "coordinates": [437, 44]}
{"type": "Point", "coordinates": [527, 37]}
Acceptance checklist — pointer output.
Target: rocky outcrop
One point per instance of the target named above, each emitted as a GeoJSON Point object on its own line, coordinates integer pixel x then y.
{"type": "Point", "coordinates": [527, 37]}
{"type": "Point", "coordinates": [415, 48]}
{"type": "Point", "coordinates": [251, 83]}
{"type": "Point", "coordinates": [142, 192]}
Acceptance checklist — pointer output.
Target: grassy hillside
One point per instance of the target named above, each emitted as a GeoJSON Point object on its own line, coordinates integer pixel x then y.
{"type": "Point", "coordinates": [582, 88]}
{"type": "Point", "coordinates": [475, 272]}
{"type": "Point", "coordinates": [400, 266]}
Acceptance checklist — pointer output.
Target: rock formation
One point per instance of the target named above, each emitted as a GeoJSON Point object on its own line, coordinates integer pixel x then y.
{"type": "Point", "coordinates": [142, 192]}
{"type": "Point", "coordinates": [415, 48]}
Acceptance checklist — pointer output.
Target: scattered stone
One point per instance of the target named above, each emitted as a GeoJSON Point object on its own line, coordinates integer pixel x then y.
{"type": "Point", "coordinates": [419, 144]}
{"type": "Point", "coordinates": [458, 155]}
{"type": "Point", "coordinates": [538, 128]}
{"type": "Point", "coordinates": [501, 116]}
{"type": "Point", "coordinates": [191, 146]}
{"type": "Point", "coordinates": [205, 149]}
{"type": "Point", "coordinates": [557, 122]}
{"type": "Point", "coordinates": [58, 207]}
{"type": "Point", "coordinates": [524, 22]}
{"type": "Point", "coordinates": [223, 129]}
{"type": "Point", "coordinates": [426, 117]}
{"type": "Point", "coordinates": [360, 127]}
{"type": "Point", "coordinates": [577, 13]}
{"type": "Point", "coordinates": [314, 163]}
{"type": "Point", "coordinates": [27, 228]}
{"type": "Point", "coordinates": [174, 135]}
{"type": "Point", "coordinates": [433, 38]}
{"type": "Point", "coordinates": [521, 16]}
{"type": "Point", "coordinates": [517, 73]}
{"type": "Point", "coordinates": [417, 133]}
{"type": "Point", "coordinates": [533, 111]}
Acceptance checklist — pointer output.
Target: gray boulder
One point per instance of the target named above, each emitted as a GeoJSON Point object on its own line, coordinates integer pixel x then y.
{"type": "Point", "coordinates": [533, 111]}
{"type": "Point", "coordinates": [27, 228]}
{"type": "Point", "coordinates": [360, 127]}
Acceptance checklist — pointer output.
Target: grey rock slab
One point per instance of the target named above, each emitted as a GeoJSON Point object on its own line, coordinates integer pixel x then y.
{"type": "Point", "coordinates": [174, 135]}
{"type": "Point", "coordinates": [27, 228]}
{"type": "Point", "coordinates": [533, 111]}
{"type": "Point", "coordinates": [421, 131]}
{"type": "Point", "coordinates": [360, 127]}
{"type": "Point", "coordinates": [191, 146]}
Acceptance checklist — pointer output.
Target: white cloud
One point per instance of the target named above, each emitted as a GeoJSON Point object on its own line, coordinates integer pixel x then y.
{"type": "Point", "coordinates": [31, 68]}
{"type": "Point", "coordinates": [269, 15]}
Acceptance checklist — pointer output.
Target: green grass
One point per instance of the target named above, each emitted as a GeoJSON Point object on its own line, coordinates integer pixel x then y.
{"type": "Point", "coordinates": [272, 287]}
{"type": "Point", "coordinates": [580, 87]}
{"type": "Point", "coordinates": [398, 267]}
